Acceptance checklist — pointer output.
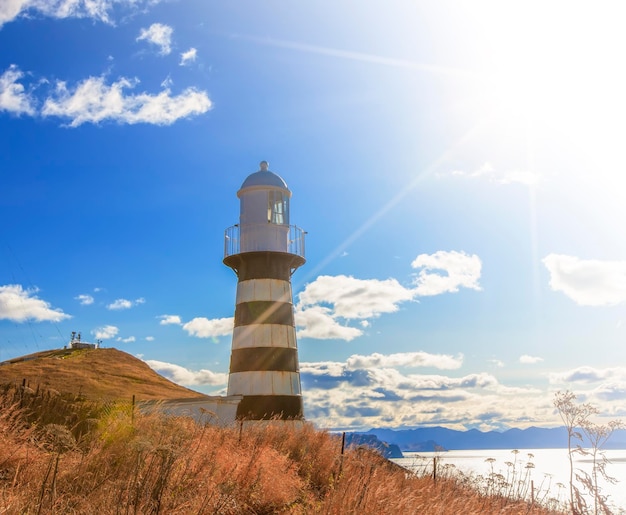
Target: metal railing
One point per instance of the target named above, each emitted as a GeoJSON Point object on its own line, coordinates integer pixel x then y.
{"type": "Point", "coordinates": [264, 237]}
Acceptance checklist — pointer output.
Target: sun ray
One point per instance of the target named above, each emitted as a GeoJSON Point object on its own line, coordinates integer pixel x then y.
{"type": "Point", "coordinates": [394, 201]}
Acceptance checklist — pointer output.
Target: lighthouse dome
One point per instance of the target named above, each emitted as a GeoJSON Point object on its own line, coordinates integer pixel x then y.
{"type": "Point", "coordinates": [264, 178]}
{"type": "Point", "coordinates": [261, 178]}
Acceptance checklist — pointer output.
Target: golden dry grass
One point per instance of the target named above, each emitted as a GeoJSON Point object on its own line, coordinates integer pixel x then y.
{"type": "Point", "coordinates": [97, 374]}
{"type": "Point", "coordinates": [140, 464]}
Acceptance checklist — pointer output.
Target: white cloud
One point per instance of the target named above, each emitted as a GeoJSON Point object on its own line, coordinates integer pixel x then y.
{"type": "Point", "coordinates": [84, 299]}
{"type": "Point", "coordinates": [586, 374]}
{"type": "Point", "coordinates": [186, 377]}
{"type": "Point", "coordinates": [205, 328]}
{"type": "Point", "coordinates": [106, 332]}
{"type": "Point", "coordinates": [342, 395]}
{"type": "Point", "coordinates": [188, 57]}
{"type": "Point", "coordinates": [13, 97]}
{"type": "Point", "coordinates": [99, 10]}
{"type": "Point", "coordinates": [405, 359]}
{"type": "Point", "coordinates": [169, 320]}
{"type": "Point", "coordinates": [20, 305]}
{"type": "Point", "coordinates": [318, 322]}
{"type": "Point", "coordinates": [328, 304]}
{"type": "Point", "coordinates": [125, 303]}
{"type": "Point", "coordinates": [496, 362]}
{"type": "Point", "coordinates": [587, 282]}
{"type": "Point", "coordinates": [149, 338]}
{"type": "Point", "coordinates": [9, 9]}
{"type": "Point", "coordinates": [126, 340]}
{"type": "Point", "coordinates": [355, 298]}
{"type": "Point", "coordinates": [529, 360]}
{"type": "Point", "coordinates": [94, 101]}
{"type": "Point", "coordinates": [120, 304]}
{"type": "Point", "coordinates": [160, 35]}
{"type": "Point", "coordinates": [461, 270]}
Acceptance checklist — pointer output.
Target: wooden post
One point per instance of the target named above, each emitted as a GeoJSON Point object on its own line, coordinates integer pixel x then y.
{"type": "Point", "coordinates": [434, 469]}
{"type": "Point", "coordinates": [132, 412]}
{"type": "Point", "coordinates": [343, 448]}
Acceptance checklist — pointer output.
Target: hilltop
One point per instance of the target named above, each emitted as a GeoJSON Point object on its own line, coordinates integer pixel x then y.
{"type": "Point", "coordinates": [96, 374]}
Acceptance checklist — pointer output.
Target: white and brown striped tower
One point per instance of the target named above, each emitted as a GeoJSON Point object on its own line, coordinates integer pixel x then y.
{"type": "Point", "coordinates": [264, 251]}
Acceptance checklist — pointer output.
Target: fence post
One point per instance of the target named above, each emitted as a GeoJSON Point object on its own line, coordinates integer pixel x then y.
{"type": "Point", "coordinates": [343, 448]}
{"type": "Point", "coordinates": [434, 469]}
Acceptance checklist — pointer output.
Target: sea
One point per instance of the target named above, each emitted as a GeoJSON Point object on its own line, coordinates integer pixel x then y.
{"type": "Point", "coordinates": [548, 469]}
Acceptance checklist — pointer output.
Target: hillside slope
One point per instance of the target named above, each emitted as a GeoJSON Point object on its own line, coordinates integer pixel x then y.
{"type": "Point", "coordinates": [97, 374]}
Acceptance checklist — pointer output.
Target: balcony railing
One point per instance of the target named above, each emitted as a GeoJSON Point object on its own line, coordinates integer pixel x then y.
{"type": "Point", "coordinates": [264, 237]}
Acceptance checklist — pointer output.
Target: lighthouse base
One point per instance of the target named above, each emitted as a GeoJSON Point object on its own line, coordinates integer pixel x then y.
{"type": "Point", "coordinates": [270, 407]}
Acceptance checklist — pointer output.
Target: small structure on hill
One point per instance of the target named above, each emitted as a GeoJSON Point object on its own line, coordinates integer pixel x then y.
{"type": "Point", "coordinates": [77, 343]}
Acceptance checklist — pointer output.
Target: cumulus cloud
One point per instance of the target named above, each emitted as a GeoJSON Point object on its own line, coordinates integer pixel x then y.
{"type": "Point", "coordinates": [84, 299]}
{"type": "Point", "coordinates": [405, 359]}
{"type": "Point", "coordinates": [9, 10]}
{"type": "Point", "coordinates": [170, 320]}
{"type": "Point", "coordinates": [355, 298]}
{"type": "Point", "coordinates": [587, 282]}
{"type": "Point", "coordinates": [186, 377]}
{"type": "Point", "coordinates": [13, 97]}
{"type": "Point", "coordinates": [20, 305]}
{"type": "Point", "coordinates": [106, 332]}
{"type": "Point", "coordinates": [318, 322]}
{"type": "Point", "coordinates": [204, 328]}
{"type": "Point", "coordinates": [158, 34]}
{"type": "Point", "coordinates": [611, 391]}
{"type": "Point", "coordinates": [587, 374]}
{"type": "Point", "coordinates": [459, 270]}
{"type": "Point", "coordinates": [149, 338]}
{"type": "Point", "coordinates": [188, 57]}
{"type": "Point", "coordinates": [95, 101]}
{"type": "Point", "coordinates": [125, 303]}
{"type": "Point", "coordinates": [126, 340]}
{"type": "Point", "coordinates": [328, 305]}
{"type": "Point", "coordinates": [529, 360]}
{"type": "Point", "coordinates": [340, 394]}
{"type": "Point", "coordinates": [100, 10]}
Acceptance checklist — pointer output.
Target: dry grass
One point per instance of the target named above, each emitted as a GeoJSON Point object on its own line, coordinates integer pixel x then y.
{"type": "Point", "coordinates": [152, 464]}
{"type": "Point", "coordinates": [97, 374]}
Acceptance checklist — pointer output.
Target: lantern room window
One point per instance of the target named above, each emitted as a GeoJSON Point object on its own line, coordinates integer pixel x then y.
{"type": "Point", "coordinates": [277, 208]}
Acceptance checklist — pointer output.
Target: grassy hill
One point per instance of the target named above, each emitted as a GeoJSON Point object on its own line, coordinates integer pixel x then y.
{"type": "Point", "coordinates": [96, 374]}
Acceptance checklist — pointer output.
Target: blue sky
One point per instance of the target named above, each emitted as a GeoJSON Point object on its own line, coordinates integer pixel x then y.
{"type": "Point", "coordinates": [458, 168]}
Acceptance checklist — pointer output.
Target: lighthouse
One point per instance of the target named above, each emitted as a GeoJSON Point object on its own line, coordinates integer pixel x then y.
{"type": "Point", "coordinates": [264, 250]}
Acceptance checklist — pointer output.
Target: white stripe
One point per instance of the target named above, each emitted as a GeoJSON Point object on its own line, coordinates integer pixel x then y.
{"type": "Point", "coordinates": [264, 383]}
{"type": "Point", "coordinates": [264, 289]}
{"type": "Point", "coordinates": [264, 335]}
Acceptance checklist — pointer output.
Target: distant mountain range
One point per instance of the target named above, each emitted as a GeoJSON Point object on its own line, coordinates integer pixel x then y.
{"type": "Point", "coordinates": [440, 438]}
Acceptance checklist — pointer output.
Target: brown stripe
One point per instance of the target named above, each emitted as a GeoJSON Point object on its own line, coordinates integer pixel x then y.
{"type": "Point", "coordinates": [266, 407]}
{"type": "Point", "coordinates": [261, 359]}
{"type": "Point", "coordinates": [264, 312]}
{"type": "Point", "coordinates": [264, 265]}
